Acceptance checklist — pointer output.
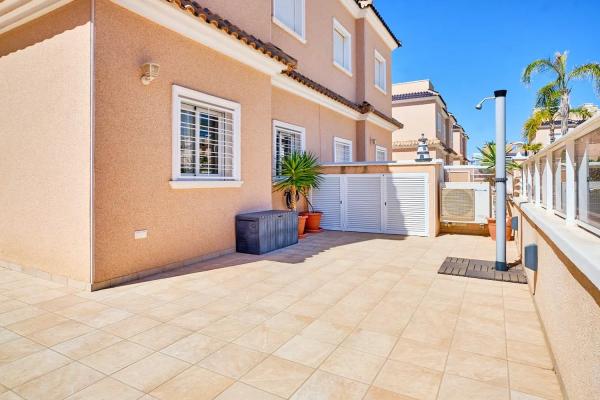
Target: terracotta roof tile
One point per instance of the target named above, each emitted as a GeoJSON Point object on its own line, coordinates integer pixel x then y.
{"type": "Point", "coordinates": [211, 18]}
{"type": "Point", "coordinates": [372, 7]}
{"type": "Point", "coordinates": [363, 108]}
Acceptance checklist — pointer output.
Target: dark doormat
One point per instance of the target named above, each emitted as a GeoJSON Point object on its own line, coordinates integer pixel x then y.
{"type": "Point", "coordinates": [481, 269]}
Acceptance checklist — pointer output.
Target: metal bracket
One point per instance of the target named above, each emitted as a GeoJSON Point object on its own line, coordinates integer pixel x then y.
{"type": "Point", "coordinates": [501, 180]}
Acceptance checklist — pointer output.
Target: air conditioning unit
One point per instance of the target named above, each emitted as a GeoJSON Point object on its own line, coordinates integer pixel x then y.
{"type": "Point", "coordinates": [466, 202]}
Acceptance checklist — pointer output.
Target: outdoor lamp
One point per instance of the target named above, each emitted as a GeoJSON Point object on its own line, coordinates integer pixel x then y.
{"type": "Point", "coordinates": [149, 72]}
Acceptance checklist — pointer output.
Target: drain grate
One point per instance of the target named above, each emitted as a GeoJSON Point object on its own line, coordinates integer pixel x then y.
{"type": "Point", "coordinates": [481, 269]}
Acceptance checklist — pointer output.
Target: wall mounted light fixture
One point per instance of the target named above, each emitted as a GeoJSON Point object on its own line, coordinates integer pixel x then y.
{"type": "Point", "coordinates": [149, 72]}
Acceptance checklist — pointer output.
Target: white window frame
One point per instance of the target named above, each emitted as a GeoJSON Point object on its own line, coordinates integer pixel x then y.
{"type": "Point", "coordinates": [284, 125]}
{"type": "Point", "coordinates": [337, 26]}
{"type": "Point", "coordinates": [381, 149]}
{"type": "Point", "coordinates": [381, 59]}
{"type": "Point", "coordinates": [286, 28]}
{"type": "Point", "coordinates": [178, 181]}
{"type": "Point", "coordinates": [337, 140]}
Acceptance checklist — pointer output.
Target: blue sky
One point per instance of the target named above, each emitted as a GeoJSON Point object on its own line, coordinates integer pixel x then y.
{"type": "Point", "coordinates": [470, 48]}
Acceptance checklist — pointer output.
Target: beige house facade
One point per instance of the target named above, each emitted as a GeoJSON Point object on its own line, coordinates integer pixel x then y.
{"type": "Point", "coordinates": [108, 176]}
{"type": "Point", "coordinates": [423, 111]}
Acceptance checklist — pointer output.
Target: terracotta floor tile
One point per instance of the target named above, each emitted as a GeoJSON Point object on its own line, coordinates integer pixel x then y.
{"type": "Point", "coordinates": [371, 342]}
{"type": "Point", "coordinates": [278, 376]}
{"type": "Point", "coordinates": [227, 329]}
{"type": "Point", "coordinates": [474, 366]}
{"type": "Point", "coordinates": [151, 372]}
{"type": "Point", "coordinates": [409, 380]}
{"type": "Point", "coordinates": [287, 322]}
{"type": "Point", "coordinates": [60, 333]}
{"type": "Point", "coordinates": [59, 383]}
{"type": "Point", "coordinates": [353, 364]}
{"type": "Point", "coordinates": [131, 326]}
{"type": "Point", "coordinates": [193, 384]}
{"type": "Point", "coordinates": [18, 348]}
{"type": "Point", "coordinates": [306, 351]}
{"type": "Point", "coordinates": [233, 360]}
{"type": "Point", "coordinates": [30, 367]}
{"type": "Point", "coordinates": [263, 339]}
{"type": "Point", "coordinates": [324, 386]}
{"type": "Point", "coordinates": [527, 353]}
{"type": "Point", "coordinates": [240, 391]}
{"type": "Point", "coordinates": [326, 331]}
{"type": "Point", "coordinates": [87, 344]}
{"type": "Point", "coordinates": [532, 380]}
{"type": "Point", "coordinates": [113, 358]}
{"type": "Point", "coordinates": [194, 348]}
{"type": "Point", "coordinates": [376, 393]}
{"type": "Point", "coordinates": [20, 314]}
{"type": "Point", "coordinates": [107, 389]}
{"type": "Point", "coordinates": [459, 388]}
{"type": "Point", "coordinates": [420, 354]}
{"type": "Point", "coordinates": [481, 344]}
{"type": "Point", "coordinates": [160, 336]}
{"type": "Point", "coordinates": [35, 324]}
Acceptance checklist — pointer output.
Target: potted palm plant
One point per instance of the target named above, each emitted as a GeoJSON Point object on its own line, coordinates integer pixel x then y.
{"type": "Point", "coordinates": [487, 160]}
{"type": "Point", "coordinates": [300, 172]}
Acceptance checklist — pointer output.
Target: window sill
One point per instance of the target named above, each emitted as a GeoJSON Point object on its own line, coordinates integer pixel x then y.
{"type": "Point", "coordinates": [578, 245]}
{"type": "Point", "coordinates": [381, 89]}
{"type": "Point", "coordinates": [191, 184]}
{"type": "Point", "coordinates": [341, 68]}
{"type": "Point", "coordinates": [288, 30]}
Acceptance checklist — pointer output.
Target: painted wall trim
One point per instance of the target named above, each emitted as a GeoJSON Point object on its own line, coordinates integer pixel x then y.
{"type": "Point", "coordinates": [205, 184]}
{"type": "Point", "coordinates": [178, 21]}
{"type": "Point", "coordinates": [373, 20]}
{"type": "Point", "coordinates": [14, 13]}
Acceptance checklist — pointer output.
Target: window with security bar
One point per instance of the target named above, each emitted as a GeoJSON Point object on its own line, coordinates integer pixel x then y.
{"type": "Point", "coordinates": [288, 139]}
{"type": "Point", "coordinates": [207, 137]}
{"type": "Point", "coordinates": [342, 150]}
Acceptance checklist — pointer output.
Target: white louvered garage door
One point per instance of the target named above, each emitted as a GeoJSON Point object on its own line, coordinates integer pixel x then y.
{"type": "Point", "coordinates": [379, 203]}
{"type": "Point", "coordinates": [363, 203]}
{"type": "Point", "coordinates": [328, 200]}
{"type": "Point", "coordinates": [407, 204]}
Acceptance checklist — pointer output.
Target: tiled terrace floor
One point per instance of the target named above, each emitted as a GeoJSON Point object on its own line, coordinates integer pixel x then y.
{"type": "Point", "coordinates": [340, 316]}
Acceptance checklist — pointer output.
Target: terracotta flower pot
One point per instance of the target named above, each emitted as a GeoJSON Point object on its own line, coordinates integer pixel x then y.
{"type": "Point", "coordinates": [301, 224]}
{"type": "Point", "coordinates": [492, 228]}
{"type": "Point", "coordinates": [313, 224]}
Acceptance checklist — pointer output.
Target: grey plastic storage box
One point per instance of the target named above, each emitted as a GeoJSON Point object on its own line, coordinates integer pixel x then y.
{"type": "Point", "coordinates": [265, 231]}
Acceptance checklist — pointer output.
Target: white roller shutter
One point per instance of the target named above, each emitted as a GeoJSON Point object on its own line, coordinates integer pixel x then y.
{"type": "Point", "coordinates": [407, 204]}
{"type": "Point", "coordinates": [363, 203]}
{"type": "Point", "coordinates": [328, 200]}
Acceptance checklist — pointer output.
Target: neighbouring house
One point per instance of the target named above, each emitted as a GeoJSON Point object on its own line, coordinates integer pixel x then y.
{"type": "Point", "coordinates": [543, 134]}
{"type": "Point", "coordinates": [423, 110]}
{"type": "Point", "coordinates": [134, 131]}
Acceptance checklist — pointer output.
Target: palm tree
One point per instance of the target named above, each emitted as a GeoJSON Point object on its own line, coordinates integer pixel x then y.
{"type": "Point", "coordinates": [300, 173]}
{"type": "Point", "coordinates": [560, 88]}
{"type": "Point", "coordinates": [532, 147]}
{"type": "Point", "coordinates": [487, 159]}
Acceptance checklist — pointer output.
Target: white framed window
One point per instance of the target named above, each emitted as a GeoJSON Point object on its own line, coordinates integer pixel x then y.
{"type": "Point", "coordinates": [206, 140]}
{"type": "Point", "coordinates": [287, 138]}
{"type": "Point", "coordinates": [290, 15]}
{"type": "Point", "coordinates": [342, 150]}
{"type": "Point", "coordinates": [342, 48]}
{"type": "Point", "coordinates": [380, 72]}
{"type": "Point", "coordinates": [380, 153]}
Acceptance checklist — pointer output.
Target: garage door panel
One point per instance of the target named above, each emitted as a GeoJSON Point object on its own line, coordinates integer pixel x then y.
{"type": "Point", "coordinates": [363, 203]}
{"type": "Point", "coordinates": [328, 200]}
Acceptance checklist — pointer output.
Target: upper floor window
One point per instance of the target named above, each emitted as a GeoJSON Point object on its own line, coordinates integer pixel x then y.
{"type": "Point", "coordinates": [290, 16]}
{"type": "Point", "coordinates": [438, 124]}
{"type": "Point", "coordinates": [342, 150]}
{"type": "Point", "coordinates": [342, 47]}
{"type": "Point", "coordinates": [205, 137]}
{"type": "Point", "coordinates": [380, 72]}
{"type": "Point", "coordinates": [380, 153]}
{"type": "Point", "coordinates": [287, 139]}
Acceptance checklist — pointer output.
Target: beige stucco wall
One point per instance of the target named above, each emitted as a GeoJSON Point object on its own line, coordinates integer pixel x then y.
{"type": "Point", "coordinates": [569, 314]}
{"type": "Point", "coordinates": [133, 147]}
{"type": "Point", "coordinates": [418, 118]}
{"type": "Point", "coordinates": [45, 140]}
{"type": "Point", "coordinates": [414, 86]}
{"type": "Point", "coordinates": [315, 57]}
{"type": "Point", "coordinates": [253, 17]}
